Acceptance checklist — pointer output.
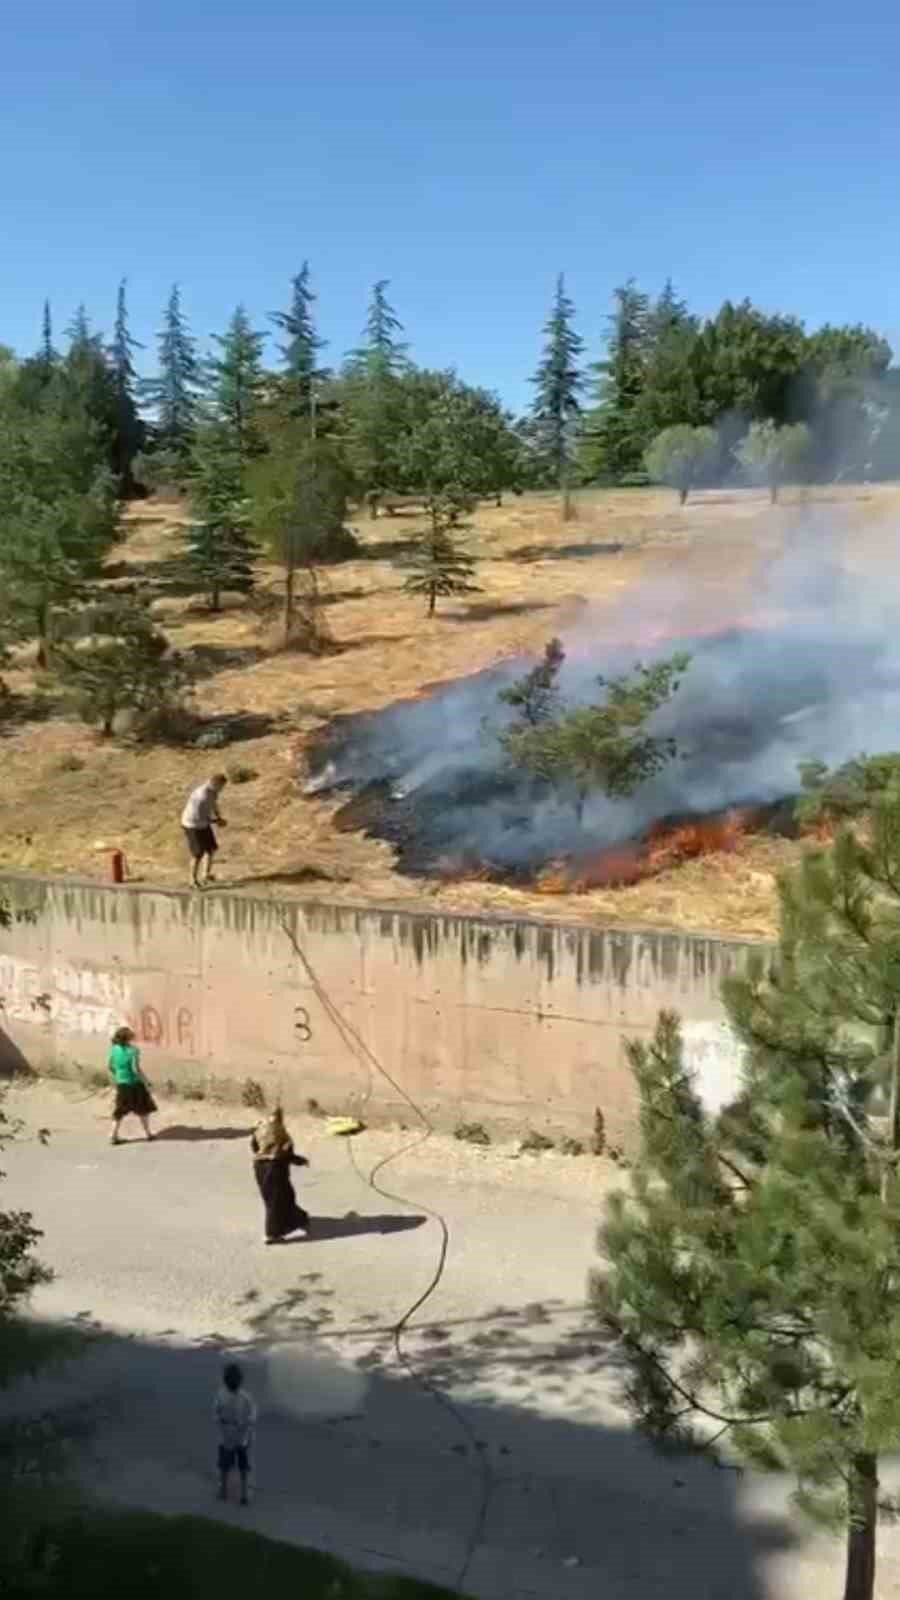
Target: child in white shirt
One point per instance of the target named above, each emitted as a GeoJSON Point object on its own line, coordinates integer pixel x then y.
{"type": "Point", "coordinates": [235, 1414]}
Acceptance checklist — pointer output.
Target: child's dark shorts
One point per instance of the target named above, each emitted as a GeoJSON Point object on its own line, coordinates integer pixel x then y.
{"type": "Point", "coordinates": [238, 1457]}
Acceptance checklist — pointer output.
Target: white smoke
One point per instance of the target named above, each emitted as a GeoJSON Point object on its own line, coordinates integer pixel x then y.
{"type": "Point", "coordinates": [808, 670]}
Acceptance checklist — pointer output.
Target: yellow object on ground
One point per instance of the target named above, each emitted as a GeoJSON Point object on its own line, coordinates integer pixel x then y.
{"type": "Point", "coordinates": [344, 1125]}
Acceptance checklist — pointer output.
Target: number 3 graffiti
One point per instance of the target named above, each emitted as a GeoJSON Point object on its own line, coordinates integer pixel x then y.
{"type": "Point", "coordinates": [301, 1024]}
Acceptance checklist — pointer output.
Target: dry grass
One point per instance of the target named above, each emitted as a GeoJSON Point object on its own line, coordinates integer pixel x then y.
{"type": "Point", "coordinates": [705, 558]}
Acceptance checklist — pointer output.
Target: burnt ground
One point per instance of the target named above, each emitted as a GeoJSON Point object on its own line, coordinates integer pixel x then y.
{"type": "Point", "coordinates": [68, 798]}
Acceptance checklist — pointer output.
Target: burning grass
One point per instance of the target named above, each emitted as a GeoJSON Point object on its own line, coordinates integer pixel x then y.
{"type": "Point", "coordinates": [665, 845]}
{"type": "Point", "coordinates": [67, 799]}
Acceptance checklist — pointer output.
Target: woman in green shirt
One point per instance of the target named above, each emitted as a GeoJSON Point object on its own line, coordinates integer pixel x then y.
{"type": "Point", "coordinates": [133, 1097]}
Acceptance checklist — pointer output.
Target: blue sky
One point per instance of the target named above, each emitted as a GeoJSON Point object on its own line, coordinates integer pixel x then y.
{"type": "Point", "coordinates": [466, 151]}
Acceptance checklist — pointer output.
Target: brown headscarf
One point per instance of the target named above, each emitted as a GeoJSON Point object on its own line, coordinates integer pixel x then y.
{"type": "Point", "coordinates": [272, 1137]}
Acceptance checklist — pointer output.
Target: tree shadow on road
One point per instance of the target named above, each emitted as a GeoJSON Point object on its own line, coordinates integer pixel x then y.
{"type": "Point", "coordinates": [563, 1505]}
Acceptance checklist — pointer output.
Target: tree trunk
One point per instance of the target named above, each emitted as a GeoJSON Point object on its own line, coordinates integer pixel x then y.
{"type": "Point", "coordinates": [682, 497]}
{"type": "Point", "coordinates": [432, 600]}
{"type": "Point", "coordinates": [498, 498]}
{"type": "Point", "coordinates": [566, 493]}
{"type": "Point", "coordinates": [215, 600]}
{"type": "Point", "coordinates": [862, 1506]}
{"type": "Point", "coordinates": [288, 604]}
{"type": "Point", "coordinates": [41, 631]}
{"type": "Point", "coordinates": [773, 494]}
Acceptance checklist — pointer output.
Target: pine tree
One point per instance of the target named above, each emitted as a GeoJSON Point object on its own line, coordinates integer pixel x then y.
{"type": "Point", "coordinates": [47, 352]}
{"type": "Point", "coordinates": [603, 746]}
{"type": "Point", "coordinates": [57, 510]}
{"type": "Point", "coordinates": [301, 350]}
{"type": "Point", "coordinates": [535, 697]}
{"type": "Point", "coordinates": [235, 379]}
{"type": "Point", "coordinates": [373, 402]}
{"type": "Point", "coordinates": [616, 432]}
{"type": "Point", "coordinates": [438, 566]}
{"type": "Point", "coordinates": [83, 384]}
{"type": "Point", "coordinates": [668, 313]}
{"type": "Point", "coordinates": [219, 552]}
{"type": "Point", "coordinates": [299, 505]}
{"type": "Point", "coordinates": [755, 1268]}
{"type": "Point", "coordinates": [173, 393]}
{"type": "Point", "coordinates": [129, 430]}
{"type": "Point", "coordinates": [669, 394]}
{"type": "Point", "coordinates": [558, 382]}
{"type": "Point", "coordinates": [383, 351]}
{"type": "Point", "coordinates": [124, 664]}
{"type": "Point", "coordinates": [81, 340]}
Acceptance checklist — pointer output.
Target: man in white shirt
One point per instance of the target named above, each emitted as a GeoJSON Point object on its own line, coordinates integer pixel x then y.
{"type": "Point", "coordinates": [197, 819]}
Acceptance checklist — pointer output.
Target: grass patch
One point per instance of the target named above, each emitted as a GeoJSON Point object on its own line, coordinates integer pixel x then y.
{"type": "Point", "coordinates": [101, 1555]}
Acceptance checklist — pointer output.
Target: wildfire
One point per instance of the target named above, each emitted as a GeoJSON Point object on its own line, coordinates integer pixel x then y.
{"type": "Point", "coordinates": [665, 845]}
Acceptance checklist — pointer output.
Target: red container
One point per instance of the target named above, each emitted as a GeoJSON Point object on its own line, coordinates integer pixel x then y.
{"type": "Point", "coordinates": [117, 863]}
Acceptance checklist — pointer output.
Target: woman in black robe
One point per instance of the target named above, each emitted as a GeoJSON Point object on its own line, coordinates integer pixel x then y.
{"type": "Point", "coordinates": [274, 1155]}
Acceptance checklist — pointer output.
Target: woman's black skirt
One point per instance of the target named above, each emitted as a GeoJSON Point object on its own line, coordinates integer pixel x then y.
{"type": "Point", "coordinates": [283, 1215]}
{"type": "Point", "coordinates": [133, 1100]}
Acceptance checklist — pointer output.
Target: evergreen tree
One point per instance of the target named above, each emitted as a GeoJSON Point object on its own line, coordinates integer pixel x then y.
{"type": "Point", "coordinates": [236, 378]}
{"type": "Point", "coordinates": [82, 341]}
{"type": "Point", "coordinates": [83, 385]}
{"type": "Point", "coordinates": [602, 746]}
{"type": "Point", "coordinates": [47, 352]}
{"type": "Point", "coordinates": [382, 350]}
{"type": "Point", "coordinates": [535, 698]}
{"type": "Point", "coordinates": [755, 1268]}
{"type": "Point", "coordinates": [124, 664]}
{"type": "Point", "coordinates": [669, 396]}
{"type": "Point", "coordinates": [668, 313]}
{"type": "Point", "coordinates": [58, 512]}
{"type": "Point", "coordinates": [173, 393]}
{"type": "Point", "coordinates": [301, 350]}
{"type": "Point", "coordinates": [129, 429]}
{"type": "Point", "coordinates": [373, 399]}
{"type": "Point", "coordinates": [219, 551]}
{"type": "Point", "coordinates": [558, 382]}
{"type": "Point", "coordinates": [615, 434]}
{"type": "Point", "coordinates": [298, 498]}
{"type": "Point", "coordinates": [746, 366]}
{"type": "Point", "coordinates": [438, 566]}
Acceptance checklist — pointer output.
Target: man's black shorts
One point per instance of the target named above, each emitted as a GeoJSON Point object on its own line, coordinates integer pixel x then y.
{"type": "Point", "coordinates": [201, 842]}
{"type": "Point", "coordinates": [238, 1457]}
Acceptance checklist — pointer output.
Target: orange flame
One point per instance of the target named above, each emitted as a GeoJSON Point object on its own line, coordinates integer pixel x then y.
{"type": "Point", "coordinates": [664, 846]}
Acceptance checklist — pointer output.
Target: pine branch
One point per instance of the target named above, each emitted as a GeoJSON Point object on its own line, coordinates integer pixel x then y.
{"type": "Point", "coordinates": [726, 1161]}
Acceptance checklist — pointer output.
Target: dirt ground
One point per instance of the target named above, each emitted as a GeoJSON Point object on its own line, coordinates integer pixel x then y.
{"type": "Point", "coordinates": [534, 1467]}
{"type": "Point", "coordinates": [68, 798]}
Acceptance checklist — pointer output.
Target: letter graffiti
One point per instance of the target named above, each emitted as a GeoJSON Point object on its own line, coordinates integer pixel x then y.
{"type": "Point", "coordinates": [184, 1029]}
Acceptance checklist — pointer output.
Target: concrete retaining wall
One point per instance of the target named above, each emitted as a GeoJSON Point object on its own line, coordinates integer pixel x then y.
{"type": "Point", "coordinates": [514, 1024]}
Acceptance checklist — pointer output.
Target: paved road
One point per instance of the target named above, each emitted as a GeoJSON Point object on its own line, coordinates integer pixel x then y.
{"type": "Point", "coordinates": [160, 1245]}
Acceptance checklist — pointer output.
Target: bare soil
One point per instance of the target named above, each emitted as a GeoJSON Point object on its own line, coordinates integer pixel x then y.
{"type": "Point", "coordinates": [68, 797]}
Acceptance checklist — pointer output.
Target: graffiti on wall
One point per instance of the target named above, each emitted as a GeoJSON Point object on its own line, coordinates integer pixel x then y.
{"type": "Point", "coordinates": [92, 1003]}
{"type": "Point", "coordinates": [713, 1052]}
{"type": "Point", "coordinates": [172, 1030]}
{"type": "Point", "coordinates": [76, 999]}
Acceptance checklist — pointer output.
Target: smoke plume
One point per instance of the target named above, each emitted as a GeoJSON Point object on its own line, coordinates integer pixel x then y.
{"type": "Point", "coordinates": [807, 668]}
